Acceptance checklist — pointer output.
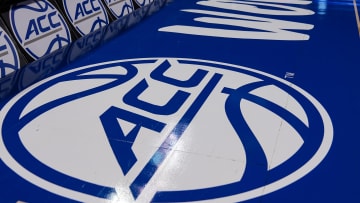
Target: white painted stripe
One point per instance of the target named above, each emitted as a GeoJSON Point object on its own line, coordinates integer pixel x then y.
{"type": "Point", "coordinates": [357, 16]}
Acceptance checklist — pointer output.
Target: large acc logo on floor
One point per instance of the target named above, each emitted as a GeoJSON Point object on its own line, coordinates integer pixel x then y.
{"type": "Point", "coordinates": [164, 130]}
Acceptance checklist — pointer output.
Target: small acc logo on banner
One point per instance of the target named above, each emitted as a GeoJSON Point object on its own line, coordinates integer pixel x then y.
{"type": "Point", "coordinates": [120, 8]}
{"type": "Point", "coordinates": [39, 27]}
{"type": "Point", "coordinates": [9, 58]}
{"type": "Point", "coordinates": [86, 15]}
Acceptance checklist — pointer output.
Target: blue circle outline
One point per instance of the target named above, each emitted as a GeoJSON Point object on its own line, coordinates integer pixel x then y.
{"type": "Point", "coordinates": [13, 143]}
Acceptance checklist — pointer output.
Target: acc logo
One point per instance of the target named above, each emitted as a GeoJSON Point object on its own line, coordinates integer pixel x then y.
{"type": "Point", "coordinates": [164, 130]}
{"type": "Point", "coordinates": [9, 58]}
{"type": "Point", "coordinates": [86, 15]}
{"type": "Point", "coordinates": [39, 27]}
{"type": "Point", "coordinates": [120, 8]}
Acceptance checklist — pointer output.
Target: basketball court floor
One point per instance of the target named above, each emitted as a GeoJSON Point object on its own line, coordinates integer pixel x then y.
{"type": "Point", "coordinates": [254, 101]}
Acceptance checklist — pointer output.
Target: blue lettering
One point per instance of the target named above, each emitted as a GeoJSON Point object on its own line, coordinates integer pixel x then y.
{"type": "Point", "coordinates": [79, 11]}
{"type": "Point", "coordinates": [173, 105]}
{"type": "Point", "coordinates": [93, 6]}
{"type": "Point", "coordinates": [39, 22]}
{"type": "Point", "coordinates": [40, 26]}
{"type": "Point", "coordinates": [88, 42]}
{"type": "Point", "coordinates": [32, 28]}
{"type": "Point", "coordinates": [158, 74]}
{"type": "Point", "coordinates": [84, 3]}
{"type": "Point", "coordinates": [120, 143]}
{"type": "Point", "coordinates": [46, 65]}
{"type": "Point", "coordinates": [131, 98]}
{"type": "Point", "coordinates": [85, 8]}
{"type": "Point", "coordinates": [50, 17]}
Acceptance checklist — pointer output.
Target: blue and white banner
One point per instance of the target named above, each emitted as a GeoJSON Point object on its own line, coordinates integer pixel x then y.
{"type": "Point", "coordinates": [39, 27]}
